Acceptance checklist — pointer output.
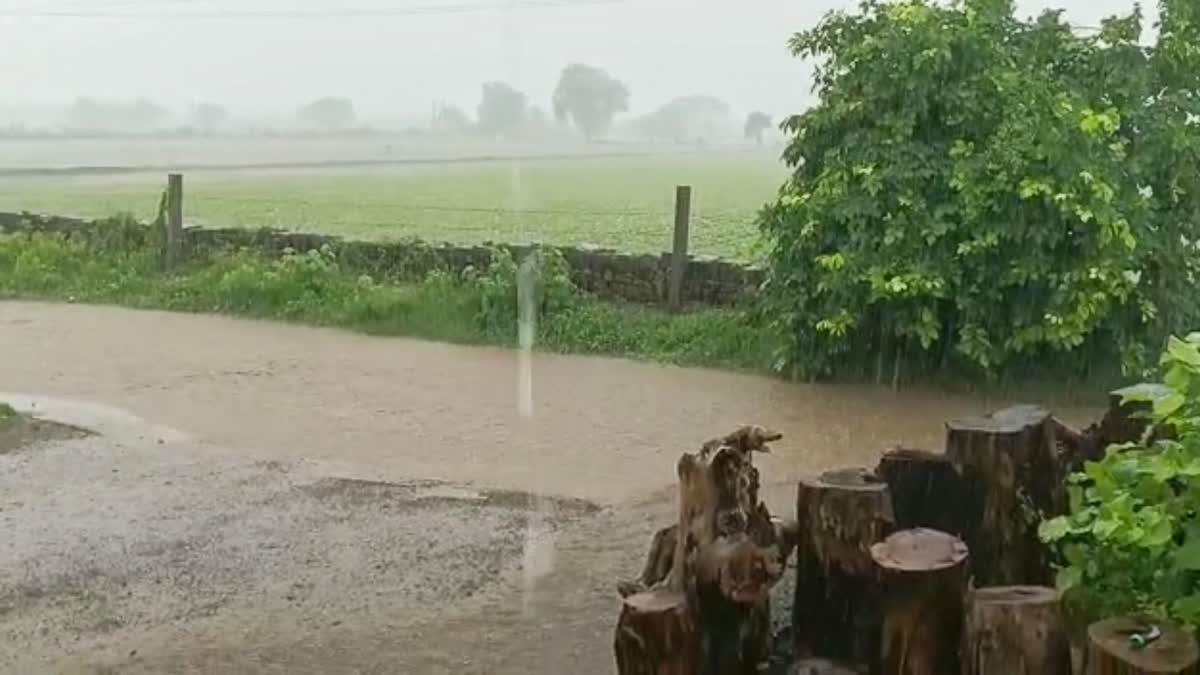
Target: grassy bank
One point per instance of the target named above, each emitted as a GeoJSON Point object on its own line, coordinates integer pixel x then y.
{"type": "Point", "coordinates": [119, 264]}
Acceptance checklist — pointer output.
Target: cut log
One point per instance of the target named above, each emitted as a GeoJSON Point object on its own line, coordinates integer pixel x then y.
{"type": "Point", "coordinates": [1111, 649]}
{"type": "Point", "coordinates": [836, 609]}
{"type": "Point", "coordinates": [718, 564]}
{"type": "Point", "coordinates": [656, 636]}
{"type": "Point", "coordinates": [1015, 630]}
{"type": "Point", "coordinates": [926, 490]}
{"type": "Point", "coordinates": [1012, 476]}
{"type": "Point", "coordinates": [924, 574]}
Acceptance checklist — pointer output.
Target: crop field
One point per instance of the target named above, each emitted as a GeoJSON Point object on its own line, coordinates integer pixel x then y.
{"type": "Point", "coordinates": [622, 203]}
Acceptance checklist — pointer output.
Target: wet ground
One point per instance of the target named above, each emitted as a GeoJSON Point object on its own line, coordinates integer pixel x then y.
{"type": "Point", "coordinates": [261, 497]}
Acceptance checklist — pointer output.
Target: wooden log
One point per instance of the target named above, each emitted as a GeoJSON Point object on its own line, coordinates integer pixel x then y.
{"type": "Point", "coordinates": [835, 613]}
{"type": "Point", "coordinates": [1013, 478]}
{"type": "Point", "coordinates": [1111, 650]}
{"type": "Point", "coordinates": [926, 490]}
{"type": "Point", "coordinates": [1014, 630]}
{"type": "Point", "coordinates": [725, 554]}
{"type": "Point", "coordinates": [924, 574]}
{"type": "Point", "coordinates": [656, 635]}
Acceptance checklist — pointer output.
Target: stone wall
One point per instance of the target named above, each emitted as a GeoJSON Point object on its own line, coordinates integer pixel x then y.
{"type": "Point", "coordinates": [607, 274]}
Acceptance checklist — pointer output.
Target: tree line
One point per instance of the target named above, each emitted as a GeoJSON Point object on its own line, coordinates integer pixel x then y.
{"type": "Point", "coordinates": [586, 99]}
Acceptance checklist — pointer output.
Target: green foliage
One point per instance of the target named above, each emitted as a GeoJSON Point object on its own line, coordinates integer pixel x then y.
{"type": "Point", "coordinates": [983, 192]}
{"type": "Point", "coordinates": [1132, 538]}
{"type": "Point", "coordinates": [317, 287]}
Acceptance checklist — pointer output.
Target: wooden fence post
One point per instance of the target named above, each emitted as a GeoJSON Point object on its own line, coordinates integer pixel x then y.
{"type": "Point", "coordinates": [679, 250]}
{"type": "Point", "coordinates": [174, 218]}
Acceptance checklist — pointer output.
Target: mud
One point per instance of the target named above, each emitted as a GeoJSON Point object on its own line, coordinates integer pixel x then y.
{"type": "Point", "coordinates": [264, 498]}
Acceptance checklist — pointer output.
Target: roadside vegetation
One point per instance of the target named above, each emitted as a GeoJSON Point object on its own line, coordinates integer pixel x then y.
{"type": "Point", "coordinates": [120, 263]}
{"type": "Point", "coordinates": [8, 416]}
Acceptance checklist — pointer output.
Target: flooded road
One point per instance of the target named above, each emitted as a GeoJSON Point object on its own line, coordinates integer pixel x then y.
{"type": "Point", "coordinates": [602, 429]}
{"type": "Point", "coordinates": [257, 498]}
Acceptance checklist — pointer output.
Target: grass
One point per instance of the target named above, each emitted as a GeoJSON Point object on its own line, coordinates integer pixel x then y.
{"type": "Point", "coordinates": [620, 203]}
{"type": "Point", "coordinates": [120, 265]}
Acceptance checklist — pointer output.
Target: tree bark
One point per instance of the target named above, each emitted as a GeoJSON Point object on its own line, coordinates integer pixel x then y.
{"type": "Point", "coordinates": [924, 574]}
{"type": "Point", "coordinates": [836, 609]}
{"type": "Point", "coordinates": [716, 565]}
{"type": "Point", "coordinates": [656, 635]}
{"type": "Point", "coordinates": [1110, 651]}
{"type": "Point", "coordinates": [926, 490]}
{"type": "Point", "coordinates": [1014, 630]}
{"type": "Point", "coordinates": [658, 563]}
{"type": "Point", "coordinates": [1012, 477]}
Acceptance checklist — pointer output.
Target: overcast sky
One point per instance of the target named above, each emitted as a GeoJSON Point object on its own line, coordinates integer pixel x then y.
{"type": "Point", "coordinates": [401, 63]}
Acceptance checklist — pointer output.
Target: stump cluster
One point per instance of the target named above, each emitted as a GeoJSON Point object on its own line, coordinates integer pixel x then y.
{"type": "Point", "coordinates": [926, 564]}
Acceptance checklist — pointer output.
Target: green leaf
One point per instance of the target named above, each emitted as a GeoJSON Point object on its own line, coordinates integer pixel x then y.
{"type": "Point", "coordinates": [1068, 578]}
{"type": "Point", "coordinates": [1168, 405]}
{"type": "Point", "coordinates": [1054, 529]}
{"type": "Point", "coordinates": [1184, 352]}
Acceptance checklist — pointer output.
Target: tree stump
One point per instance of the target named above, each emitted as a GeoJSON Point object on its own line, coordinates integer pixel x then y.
{"type": "Point", "coordinates": [656, 635]}
{"type": "Point", "coordinates": [1012, 477]}
{"type": "Point", "coordinates": [836, 609]}
{"type": "Point", "coordinates": [924, 574]}
{"type": "Point", "coordinates": [725, 554]}
{"type": "Point", "coordinates": [1014, 630]}
{"type": "Point", "coordinates": [926, 490]}
{"type": "Point", "coordinates": [1111, 652]}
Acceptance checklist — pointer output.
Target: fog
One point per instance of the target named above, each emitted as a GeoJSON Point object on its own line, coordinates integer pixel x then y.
{"type": "Point", "coordinates": [395, 58]}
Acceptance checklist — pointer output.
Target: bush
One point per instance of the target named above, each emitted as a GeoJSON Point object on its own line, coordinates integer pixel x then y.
{"type": "Point", "coordinates": [1132, 538]}
{"type": "Point", "coordinates": [979, 192]}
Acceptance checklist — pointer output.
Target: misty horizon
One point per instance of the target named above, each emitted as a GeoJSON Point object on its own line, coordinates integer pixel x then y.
{"type": "Point", "coordinates": [395, 66]}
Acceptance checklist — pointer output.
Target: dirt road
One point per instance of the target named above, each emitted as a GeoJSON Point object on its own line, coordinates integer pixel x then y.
{"type": "Point", "coordinates": [264, 504]}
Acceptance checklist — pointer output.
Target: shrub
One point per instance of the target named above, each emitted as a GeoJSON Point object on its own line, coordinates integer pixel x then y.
{"type": "Point", "coordinates": [1132, 538]}
{"type": "Point", "coordinates": [981, 192]}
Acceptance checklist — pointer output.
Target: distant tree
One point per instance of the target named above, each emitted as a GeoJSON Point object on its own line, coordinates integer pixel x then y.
{"type": "Point", "coordinates": [208, 117]}
{"type": "Point", "coordinates": [329, 113]}
{"type": "Point", "coordinates": [135, 116]}
{"type": "Point", "coordinates": [502, 109]}
{"type": "Point", "coordinates": [756, 123]}
{"type": "Point", "coordinates": [589, 97]}
{"type": "Point", "coordinates": [687, 119]}
{"type": "Point", "coordinates": [451, 118]}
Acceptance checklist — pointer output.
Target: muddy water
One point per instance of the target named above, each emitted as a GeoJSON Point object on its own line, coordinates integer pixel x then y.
{"type": "Point", "coordinates": [230, 402]}
{"type": "Point", "coordinates": [602, 429]}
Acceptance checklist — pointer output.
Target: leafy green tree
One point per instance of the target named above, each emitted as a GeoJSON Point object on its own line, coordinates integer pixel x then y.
{"type": "Point", "coordinates": [502, 109]}
{"type": "Point", "coordinates": [330, 113]}
{"type": "Point", "coordinates": [977, 190]}
{"type": "Point", "coordinates": [589, 97]}
{"type": "Point", "coordinates": [756, 123]}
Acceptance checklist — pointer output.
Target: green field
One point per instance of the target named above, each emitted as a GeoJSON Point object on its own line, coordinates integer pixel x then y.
{"type": "Point", "coordinates": [625, 203]}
